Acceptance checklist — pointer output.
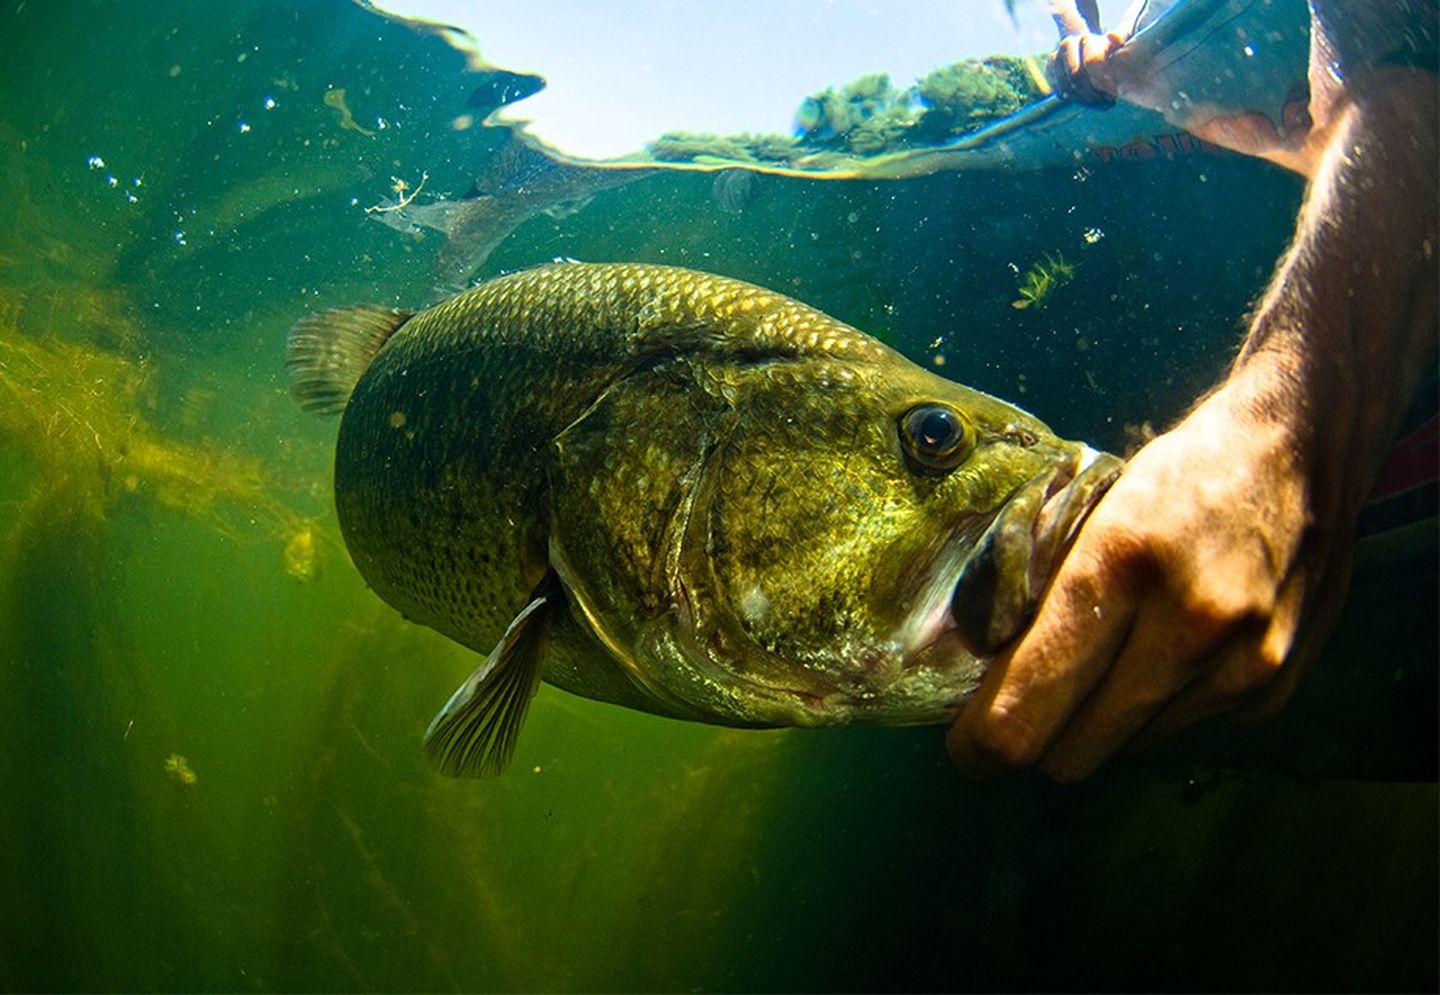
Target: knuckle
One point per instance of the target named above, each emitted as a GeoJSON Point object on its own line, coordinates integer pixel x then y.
{"type": "Point", "coordinates": [1124, 558]}
{"type": "Point", "coordinates": [1251, 678]}
{"type": "Point", "coordinates": [1218, 606]}
{"type": "Point", "coordinates": [1210, 615]}
{"type": "Point", "coordinates": [1269, 659]}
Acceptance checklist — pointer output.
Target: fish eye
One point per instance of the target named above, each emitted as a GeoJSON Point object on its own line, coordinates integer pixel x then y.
{"type": "Point", "coordinates": [936, 438]}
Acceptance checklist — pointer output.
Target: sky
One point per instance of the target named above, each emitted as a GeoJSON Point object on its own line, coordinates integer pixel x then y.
{"type": "Point", "coordinates": [622, 72]}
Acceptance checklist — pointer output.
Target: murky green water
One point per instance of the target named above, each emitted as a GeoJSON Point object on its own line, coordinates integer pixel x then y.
{"type": "Point", "coordinates": [153, 473]}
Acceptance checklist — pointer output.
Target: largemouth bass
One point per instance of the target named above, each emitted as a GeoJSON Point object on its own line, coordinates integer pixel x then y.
{"type": "Point", "coordinates": [683, 494]}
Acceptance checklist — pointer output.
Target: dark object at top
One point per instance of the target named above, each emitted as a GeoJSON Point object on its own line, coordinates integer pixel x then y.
{"type": "Point", "coordinates": [499, 87]}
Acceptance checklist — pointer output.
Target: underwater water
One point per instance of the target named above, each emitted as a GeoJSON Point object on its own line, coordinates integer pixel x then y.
{"type": "Point", "coordinates": [210, 765]}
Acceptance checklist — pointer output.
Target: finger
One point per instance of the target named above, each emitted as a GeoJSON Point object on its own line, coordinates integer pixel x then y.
{"type": "Point", "coordinates": [1075, 63]}
{"type": "Point", "coordinates": [1064, 65]}
{"type": "Point", "coordinates": [1255, 671]}
{"type": "Point", "coordinates": [1027, 695]}
{"type": "Point", "coordinates": [1320, 617]}
{"type": "Point", "coordinates": [1161, 657]}
{"type": "Point", "coordinates": [1090, 50]}
{"type": "Point", "coordinates": [1237, 672]}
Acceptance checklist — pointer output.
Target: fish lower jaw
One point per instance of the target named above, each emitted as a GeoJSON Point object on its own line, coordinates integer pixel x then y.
{"type": "Point", "coordinates": [918, 706]}
{"type": "Point", "coordinates": [1068, 500]}
{"type": "Point", "coordinates": [925, 696]}
{"type": "Point", "coordinates": [900, 692]}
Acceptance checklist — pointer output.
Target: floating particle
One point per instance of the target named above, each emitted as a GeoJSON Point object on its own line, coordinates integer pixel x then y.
{"type": "Point", "coordinates": [1092, 235]}
{"type": "Point", "coordinates": [95, 162]}
{"type": "Point", "coordinates": [244, 127]}
{"type": "Point", "coordinates": [269, 103]}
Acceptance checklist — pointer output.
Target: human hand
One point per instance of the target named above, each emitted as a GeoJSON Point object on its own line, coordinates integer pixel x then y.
{"type": "Point", "coordinates": [1080, 69]}
{"type": "Point", "coordinates": [1213, 569]}
{"type": "Point", "coordinates": [1180, 599]}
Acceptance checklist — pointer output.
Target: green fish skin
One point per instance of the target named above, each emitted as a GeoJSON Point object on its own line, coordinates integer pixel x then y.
{"type": "Point", "coordinates": [684, 494]}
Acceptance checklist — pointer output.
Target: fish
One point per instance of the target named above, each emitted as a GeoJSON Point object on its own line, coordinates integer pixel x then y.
{"type": "Point", "coordinates": [684, 494]}
{"type": "Point", "coordinates": [516, 184]}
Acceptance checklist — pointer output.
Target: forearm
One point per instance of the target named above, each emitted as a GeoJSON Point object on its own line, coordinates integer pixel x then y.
{"type": "Point", "coordinates": [1348, 325]}
{"type": "Point", "coordinates": [1075, 17]}
{"type": "Point", "coordinates": [1208, 576]}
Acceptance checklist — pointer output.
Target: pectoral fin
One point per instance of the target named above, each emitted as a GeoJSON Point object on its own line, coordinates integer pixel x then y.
{"type": "Point", "coordinates": [474, 734]}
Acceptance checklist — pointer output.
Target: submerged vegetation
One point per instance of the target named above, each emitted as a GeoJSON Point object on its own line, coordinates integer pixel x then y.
{"type": "Point", "coordinates": [180, 773]}
{"type": "Point", "coordinates": [80, 419]}
{"type": "Point", "coordinates": [872, 116]}
{"type": "Point", "coordinates": [1041, 280]}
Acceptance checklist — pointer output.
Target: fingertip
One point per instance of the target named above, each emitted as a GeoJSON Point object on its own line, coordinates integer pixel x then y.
{"type": "Point", "coordinates": [1066, 769]}
{"type": "Point", "coordinates": [990, 738]}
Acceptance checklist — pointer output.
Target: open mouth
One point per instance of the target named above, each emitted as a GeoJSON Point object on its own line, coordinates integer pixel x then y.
{"type": "Point", "coordinates": [1000, 585]}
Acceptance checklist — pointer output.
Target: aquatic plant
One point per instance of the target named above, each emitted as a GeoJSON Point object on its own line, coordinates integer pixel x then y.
{"type": "Point", "coordinates": [180, 773]}
{"type": "Point", "coordinates": [335, 98]}
{"type": "Point", "coordinates": [1041, 280]}
{"type": "Point", "coordinates": [75, 415]}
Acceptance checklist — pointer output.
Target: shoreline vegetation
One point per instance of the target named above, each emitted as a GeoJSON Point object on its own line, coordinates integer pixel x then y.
{"type": "Point", "coordinates": [872, 116]}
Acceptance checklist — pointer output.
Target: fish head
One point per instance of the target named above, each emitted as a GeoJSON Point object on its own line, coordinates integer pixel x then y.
{"type": "Point", "coordinates": [851, 542]}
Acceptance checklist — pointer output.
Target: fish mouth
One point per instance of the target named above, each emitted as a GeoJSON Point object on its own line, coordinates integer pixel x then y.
{"type": "Point", "coordinates": [999, 586]}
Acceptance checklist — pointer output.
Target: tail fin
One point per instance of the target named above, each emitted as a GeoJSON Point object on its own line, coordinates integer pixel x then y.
{"type": "Point", "coordinates": [327, 353]}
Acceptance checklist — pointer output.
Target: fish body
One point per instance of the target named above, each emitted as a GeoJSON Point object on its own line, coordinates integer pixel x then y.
{"type": "Point", "coordinates": [685, 494]}
{"type": "Point", "coordinates": [517, 184]}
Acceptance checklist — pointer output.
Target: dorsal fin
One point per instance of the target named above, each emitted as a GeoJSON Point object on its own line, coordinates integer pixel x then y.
{"type": "Point", "coordinates": [327, 353]}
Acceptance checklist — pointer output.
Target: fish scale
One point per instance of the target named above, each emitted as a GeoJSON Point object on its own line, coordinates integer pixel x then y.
{"type": "Point", "coordinates": [681, 493]}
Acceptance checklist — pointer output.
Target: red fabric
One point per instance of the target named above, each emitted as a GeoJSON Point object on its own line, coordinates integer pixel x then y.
{"type": "Point", "coordinates": [1414, 460]}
